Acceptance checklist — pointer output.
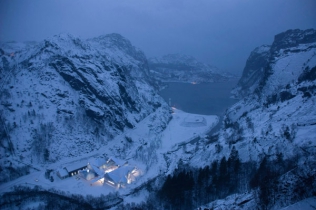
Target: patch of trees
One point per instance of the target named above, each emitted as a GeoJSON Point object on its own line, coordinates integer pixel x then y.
{"type": "Point", "coordinates": [52, 199]}
{"type": "Point", "coordinates": [288, 132]}
{"type": "Point", "coordinates": [178, 188]}
{"type": "Point", "coordinates": [307, 75]}
{"type": "Point", "coordinates": [11, 173]}
{"type": "Point", "coordinates": [308, 91]}
{"type": "Point", "coordinates": [5, 130]}
{"type": "Point", "coordinates": [234, 131]}
{"type": "Point", "coordinates": [281, 180]}
{"type": "Point", "coordinates": [282, 96]}
{"type": "Point", "coordinates": [42, 138]}
{"type": "Point", "coordinates": [285, 96]}
{"type": "Point", "coordinates": [189, 188]}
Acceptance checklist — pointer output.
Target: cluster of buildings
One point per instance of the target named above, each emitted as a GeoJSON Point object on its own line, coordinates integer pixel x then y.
{"type": "Point", "coordinates": [99, 171]}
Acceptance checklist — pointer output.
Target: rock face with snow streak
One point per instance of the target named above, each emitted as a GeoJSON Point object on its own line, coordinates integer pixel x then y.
{"type": "Point", "coordinates": [183, 68]}
{"type": "Point", "coordinates": [253, 71]}
{"type": "Point", "coordinates": [66, 96]}
{"type": "Point", "coordinates": [276, 60]}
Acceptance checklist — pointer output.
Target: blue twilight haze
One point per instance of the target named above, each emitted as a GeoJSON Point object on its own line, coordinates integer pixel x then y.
{"type": "Point", "coordinates": [218, 32]}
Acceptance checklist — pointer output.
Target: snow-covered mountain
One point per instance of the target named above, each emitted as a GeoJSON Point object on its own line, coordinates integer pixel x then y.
{"type": "Point", "coordinates": [184, 68]}
{"type": "Point", "coordinates": [64, 97]}
{"type": "Point", "coordinates": [275, 120]}
{"type": "Point", "coordinates": [263, 59]}
{"type": "Point", "coordinates": [283, 98]}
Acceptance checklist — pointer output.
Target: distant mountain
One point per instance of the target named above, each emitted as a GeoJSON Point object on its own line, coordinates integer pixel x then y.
{"type": "Point", "coordinates": [64, 96]}
{"type": "Point", "coordinates": [184, 68]}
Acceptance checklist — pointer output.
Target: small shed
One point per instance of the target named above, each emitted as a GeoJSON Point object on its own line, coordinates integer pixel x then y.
{"type": "Point", "coordinates": [62, 173]}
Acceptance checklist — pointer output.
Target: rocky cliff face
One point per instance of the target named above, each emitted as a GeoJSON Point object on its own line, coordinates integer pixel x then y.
{"type": "Point", "coordinates": [253, 71]}
{"type": "Point", "coordinates": [183, 68]}
{"type": "Point", "coordinates": [275, 60]}
{"type": "Point", "coordinates": [66, 96]}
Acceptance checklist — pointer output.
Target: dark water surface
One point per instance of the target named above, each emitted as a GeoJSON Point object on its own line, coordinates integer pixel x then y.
{"type": "Point", "coordinates": [205, 98]}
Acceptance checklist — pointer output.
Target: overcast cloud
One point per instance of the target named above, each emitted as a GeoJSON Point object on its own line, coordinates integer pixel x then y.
{"type": "Point", "coordinates": [218, 32]}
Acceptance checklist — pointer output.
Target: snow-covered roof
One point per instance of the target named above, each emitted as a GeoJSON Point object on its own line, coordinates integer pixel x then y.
{"type": "Point", "coordinates": [97, 170]}
{"type": "Point", "coordinates": [120, 175]}
{"type": "Point", "coordinates": [118, 161]}
{"type": "Point", "coordinates": [76, 165]}
{"type": "Point", "coordinates": [62, 172]}
{"type": "Point", "coordinates": [97, 161]}
{"type": "Point", "coordinates": [87, 174]}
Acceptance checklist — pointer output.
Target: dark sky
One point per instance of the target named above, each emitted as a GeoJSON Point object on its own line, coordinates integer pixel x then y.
{"type": "Point", "coordinates": [218, 32]}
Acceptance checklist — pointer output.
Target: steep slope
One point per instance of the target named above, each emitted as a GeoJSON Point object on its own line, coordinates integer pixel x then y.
{"type": "Point", "coordinates": [263, 60]}
{"type": "Point", "coordinates": [64, 96]}
{"type": "Point", "coordinates": [266, 147]}
{"type": "Point", "coordinates": [183, 68]}
{"type": "Point", "coordinates": [253, 71]}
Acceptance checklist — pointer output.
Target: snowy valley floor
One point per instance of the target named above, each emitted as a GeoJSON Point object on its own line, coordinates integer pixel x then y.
{"type": "Point", "coordinates": [183, 128]}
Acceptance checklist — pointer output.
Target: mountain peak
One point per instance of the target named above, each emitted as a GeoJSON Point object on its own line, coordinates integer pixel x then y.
{"type": "Point", "coordinates": [113, 40]}
{"type": "Point", "coordinates": [292, 38]}
{"type": "Point", "coordinates": [278, 57]}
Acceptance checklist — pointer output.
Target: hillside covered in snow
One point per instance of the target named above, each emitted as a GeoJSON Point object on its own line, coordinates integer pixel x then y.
{"type": "Point", "coordinates": [184, 68]}
{"type": "Point", "coordinates": [266, 147]}
{"type": "Point", "coordinates": [64, 97]}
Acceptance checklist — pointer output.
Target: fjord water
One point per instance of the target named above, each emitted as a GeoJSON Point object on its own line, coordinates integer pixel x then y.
{"type": "Point", "coordinates": [205, 98]}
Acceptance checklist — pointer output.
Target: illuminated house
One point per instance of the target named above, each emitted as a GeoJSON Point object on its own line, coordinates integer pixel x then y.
{"type": "Point", "coordinates": [88, 174]}
{"type": "Point", "coordinates": [119, 177]}
{"type": "Point", "coordinates": [94, 168]}
{"type": "Point", "coordinates": [99, 163]}
{"type": "Point", "coordinates": [75, 167]}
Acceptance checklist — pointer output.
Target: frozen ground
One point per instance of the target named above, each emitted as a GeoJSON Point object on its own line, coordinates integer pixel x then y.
{"type": "Point", "coordinates": [306, 204]}
{"type": "Point", "coordinates": [183, 127]}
